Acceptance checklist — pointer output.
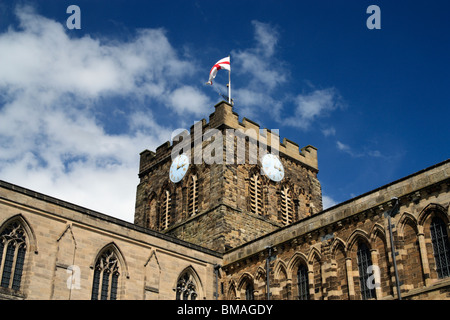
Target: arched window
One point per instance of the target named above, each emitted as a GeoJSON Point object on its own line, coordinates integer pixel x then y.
{"type": "Point", "coordinates": [186, 288]}
{"type": "Point", "coordinates": [249, 292]}
{"type": "Point", "coordinates": [439, 238]}
{"type": "Point", "coordinates": [364, 261]}
{"type": "Point", "coordinates": [106, 276]}
{"type": "Point", "coordinates": [193, 195]}
{"type": "Point", "coordinates": [166, 208]}
{"type": "Point", "coordinates": [287, 208]}
{"type": "Point", "coordinates": [302, 283]}
{"type": "Point", "coordinates": [255, 194]}
{"type": "Point", "coordinates": [12, 255]}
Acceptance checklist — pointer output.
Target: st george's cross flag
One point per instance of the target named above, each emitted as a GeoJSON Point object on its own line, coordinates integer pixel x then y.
{"type": "Point", "coordinates": [221, 64]}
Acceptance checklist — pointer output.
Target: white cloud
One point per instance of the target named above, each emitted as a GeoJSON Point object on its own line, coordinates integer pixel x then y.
{"type": "Point", "coordinates": [343, 147]}
{"type": "Point", "coordinates": [53, 90]}
{"type": "Point", "coordinates": [357, 154]}
{"type": "Point", "coordinates": [328, 202]}
{"type": "Point", "coordinates": [331, 131]}
{"type": "Point", "coordinates": [309, 107]}
{"type": "Point", "coordinates": [189, 99]}
{"type": "Point", "coordinates": [258, 64]}
{"type": "Point", "coordinates": [266, 37]}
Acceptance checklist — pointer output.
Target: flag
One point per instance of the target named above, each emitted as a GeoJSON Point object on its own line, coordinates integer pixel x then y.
{"type": "Point", "coordinates": [221, 64]}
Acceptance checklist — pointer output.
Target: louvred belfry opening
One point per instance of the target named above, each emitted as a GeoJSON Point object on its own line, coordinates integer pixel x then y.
{"type": "Point", "coordinates": [166, 207]}
{"type": "Point", "coordinates": [286, 206]}
{"type": "Point", "coordinates": [256, 194]}
{"type": "Point", "coordinates": [193, 196]}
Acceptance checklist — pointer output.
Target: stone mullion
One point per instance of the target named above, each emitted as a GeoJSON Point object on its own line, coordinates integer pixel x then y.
{"type": "Point", "coordinates": [289, 289]}
{"type": "Point", "coordinates": [311, 283]}
{"type": "Point", "coordinates": [100, 285]}
{"type": "Point", "coordinates": [350, 283]}
{"type": "Point", "coordinates": [375, 262]}
{"type": "Point", "coordinates": [2, 266]}
{"type": "Point", "coordinates": [423, 255]}
{"type": "Point", "coordinates": [108, 292]}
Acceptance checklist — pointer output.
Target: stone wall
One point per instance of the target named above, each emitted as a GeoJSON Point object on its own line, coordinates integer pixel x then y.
{"type": "Point", "coordinates": [62, 237]}
{"type": "Point", "coordinates": [327, 245]}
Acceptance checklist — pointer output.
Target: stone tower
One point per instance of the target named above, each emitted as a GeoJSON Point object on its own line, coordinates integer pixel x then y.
{"type": "Point", "coordinates": [224, 198]}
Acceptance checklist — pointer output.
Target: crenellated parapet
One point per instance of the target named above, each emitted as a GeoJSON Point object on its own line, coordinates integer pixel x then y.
{"type": "Point", "coordinates": [225, 120]}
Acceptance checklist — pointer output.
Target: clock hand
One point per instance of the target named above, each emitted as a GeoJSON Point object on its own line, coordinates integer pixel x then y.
{"type": "Point", "coordinates": [180, 165]}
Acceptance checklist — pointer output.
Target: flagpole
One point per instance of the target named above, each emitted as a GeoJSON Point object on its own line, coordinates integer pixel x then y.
{"type": "Point", "coordinates": [229, 84]}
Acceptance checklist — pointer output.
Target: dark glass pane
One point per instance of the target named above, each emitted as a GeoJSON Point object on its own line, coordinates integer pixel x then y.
{"type": "Point", "coordinates": [105, 285]}
{"type": "Point", "coordinates": [95, 284]}
{"type": "Point", "coordinates": [114, 281]}
{"type": "Point", "coordinates": [19, 268]}
{"type": "Point", "coordinates": [9, 259]}
{"type": "Point", "coordinates": [1, 250]}
{"type": "Point", "coordinates": [364, 261]}
{"type": "Point", "coordinates": [249, 292]}
{"type": "Point", "coordinates": [302, 283]}
{"type": "Point", "coordinates": [439, 238]}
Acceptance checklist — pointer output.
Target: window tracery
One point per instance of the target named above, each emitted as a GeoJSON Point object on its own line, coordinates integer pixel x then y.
{"type": "Point", "coordinates": [106, 276]}
{"type": "Point", "coordinates": [186, 288]}
{"type": "Point", "coordinates": [12, 255]}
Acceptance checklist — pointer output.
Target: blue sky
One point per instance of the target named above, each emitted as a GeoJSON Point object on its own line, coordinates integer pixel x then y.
{"type": "Point", "coordinates": [77, 106]}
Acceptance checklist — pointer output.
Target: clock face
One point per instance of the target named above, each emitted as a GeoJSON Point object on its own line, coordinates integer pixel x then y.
{"type": "Point", "coordinates": [272, 167]}
{"type": "Point", "coordinates": [178, 168]}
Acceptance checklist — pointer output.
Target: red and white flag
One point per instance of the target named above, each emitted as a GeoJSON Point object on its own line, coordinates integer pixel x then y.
{"type": "Point", "coordinates": [221, 64]}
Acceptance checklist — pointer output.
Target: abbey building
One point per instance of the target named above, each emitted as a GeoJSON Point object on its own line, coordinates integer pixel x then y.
{"type": "Point", "coordinates": [246, 222]}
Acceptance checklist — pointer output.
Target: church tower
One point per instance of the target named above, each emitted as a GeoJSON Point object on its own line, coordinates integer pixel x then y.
{"type": "Point", "coordinates": [213, 187]}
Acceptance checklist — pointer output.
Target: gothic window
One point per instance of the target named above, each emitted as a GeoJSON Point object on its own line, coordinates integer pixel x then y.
{"type": "Point", "coordinates": [287, 209]}
{"type": "Point", "coordinates": [364, 261]}
{"type": "Point", "coordinates": [12, 255]}
{"type": "Point", "coordinates": [193, 196]}
{"type": "Point", "coordinates": [439, 238]}
{"type": "Point", "coordinates": [249, 292]}
{"type": "Point", "coordinates": [186, 288]}
{"type": "Point", "coordinates": [106, 276]}
{"type": "Point", "coordinates": [166, 207]}
{"type": "Point", "coordinates": [256, 194]}
{"type": "Point", "coordinates": [302, 283]}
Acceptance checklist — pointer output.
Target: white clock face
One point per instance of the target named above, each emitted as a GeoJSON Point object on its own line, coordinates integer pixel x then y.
{"type": "Point", "coordinates": [272, 167]}
{"type": "Point", "coordinates": [179, 168]}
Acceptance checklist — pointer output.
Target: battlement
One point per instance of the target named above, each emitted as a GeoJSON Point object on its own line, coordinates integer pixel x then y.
{"type": "Point", "coordinates": [224, 118]}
